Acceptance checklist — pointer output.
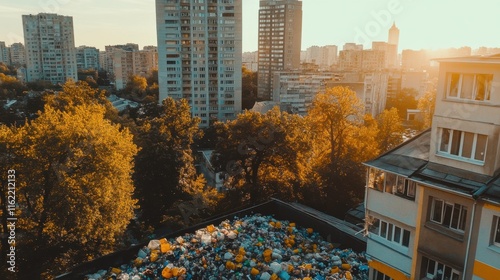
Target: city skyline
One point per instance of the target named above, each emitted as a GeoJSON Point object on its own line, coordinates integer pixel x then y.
{"type": "Point", "coordinates": [423, 24]}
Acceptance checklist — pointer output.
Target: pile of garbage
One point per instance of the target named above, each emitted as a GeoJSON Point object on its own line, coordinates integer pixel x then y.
{"type": "Point", "coordinates": [253, 247]}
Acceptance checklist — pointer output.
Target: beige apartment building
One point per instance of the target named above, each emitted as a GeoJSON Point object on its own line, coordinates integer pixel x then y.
{"type": "Point", "coordinates": [433, 203]}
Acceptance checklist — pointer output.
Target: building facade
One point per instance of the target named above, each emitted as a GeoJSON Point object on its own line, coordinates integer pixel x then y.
{"type": "Point", "coordinates": [433, 203]}
{"type": "Point", "coordinates": [280, 39]}
{"type": "Point", "coordinates": [17, 55]}
{"type": "Point", "coordinates": [87, 58]}
{"type": "Point", "coordinates": [4, 53]}
{"type": "Point", "coordinates": [50, 48]}
{"type": "Point", "coordinates": [199, 50]}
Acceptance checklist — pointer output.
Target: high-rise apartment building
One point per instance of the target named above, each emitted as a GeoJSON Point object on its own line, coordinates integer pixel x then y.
{"type": "Point", "coordinates": [199, 50]}
{"type": "Point", "coordinates": [4, 53]}
{"type": "Point", "coordinates": [87, 58]}
{"type": "Point", "coordinates": [50, 47]}
{"type": "Point", "coordinates": [17, 54]}
{"type": "Point", "coordinates": [280, 37]}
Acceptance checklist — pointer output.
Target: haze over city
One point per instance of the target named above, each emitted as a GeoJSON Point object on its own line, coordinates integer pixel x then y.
{"type": "Point", "coordinates": [424, 23]}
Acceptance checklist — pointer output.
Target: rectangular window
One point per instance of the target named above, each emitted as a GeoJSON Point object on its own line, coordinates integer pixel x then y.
{"type": "Point", "coordinates": [377, 275]}
{"type": "Point", "coordinates": [496, 231]}
{"type": "Point", "coordinates": [450, 215]}
{"type": "Point", "coordinates": [469, 86]}
{"type": "Point", "coordinates": [394, 233]}
{"type": "Point", "coordinates": [438, 271]}
{"type": "Point", "coordinates": [464, 145]}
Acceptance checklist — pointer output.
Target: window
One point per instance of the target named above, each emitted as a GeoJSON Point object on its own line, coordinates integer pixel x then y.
{"type": "Point", "coordinates": [462, 144]}
{"type": "Point", "coordinates": [438, 271]}
{"type": "Point", "coordinates": [394, 233]}
{"type": "Point", "coordinates": [376, 179]}
{"type": "Point", "coordinates": [377, 275]}
{"type": "Point", "coordinates": [391, 183]}
{"type": "Point", "coordinates": [450, 215]}
{"type": "Point", "coordinates": [469, 86]}
{"type": "Point", "coordinates": [496, 231]}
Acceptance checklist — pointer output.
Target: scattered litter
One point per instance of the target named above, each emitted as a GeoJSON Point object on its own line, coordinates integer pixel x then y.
{"type": "Point", "coordinates": [253, 247]}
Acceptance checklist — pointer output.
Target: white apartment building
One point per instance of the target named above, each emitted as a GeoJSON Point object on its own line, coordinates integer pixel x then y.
{"type": "Point", "coordinates": [50, 48]}
{"type": "Point", "coordinates": [199, 50]}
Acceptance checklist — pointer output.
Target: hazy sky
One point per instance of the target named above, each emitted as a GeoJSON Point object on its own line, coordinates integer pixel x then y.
{"type": "Point", "coordinates": [422, 23]}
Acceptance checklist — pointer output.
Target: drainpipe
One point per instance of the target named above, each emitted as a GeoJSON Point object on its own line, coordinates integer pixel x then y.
{"type": "Point", "coordinates": [469, 240]}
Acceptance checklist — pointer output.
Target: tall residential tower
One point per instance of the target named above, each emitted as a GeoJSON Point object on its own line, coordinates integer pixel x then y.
{"type": "Point", "coordinates": [280, 37]}
{"type": "Point", "coordinates": [200, 55]}
{"type": "Point", "coordinates": [50, 48]}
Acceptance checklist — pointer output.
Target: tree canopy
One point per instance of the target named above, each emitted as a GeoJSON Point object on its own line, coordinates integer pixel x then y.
{"type": "Point", "coordinates": [75, 196]}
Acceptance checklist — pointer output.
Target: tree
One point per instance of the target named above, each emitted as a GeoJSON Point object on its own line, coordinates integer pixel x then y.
{"type": "Point", "coordinates": [76, 194]}
{"type": "Point", "coordinates": [427, 105]}
{"type": "Point", "coordinates": [137, 85]}
{"type": "Point", "coordinates": [343, 139]}
{"type": "Point", "coordinates": [165, 171]}
{"type": "Point", "coordinates": [404, 100]}
{"type": "Point", "coordinates": [74, 94]}
{"type": "Point", "coordinates": [249, 88]}
{"type": "Point", "coordinates": [390, 129]}
{"type": "Point", "coordinates": [263, 154]}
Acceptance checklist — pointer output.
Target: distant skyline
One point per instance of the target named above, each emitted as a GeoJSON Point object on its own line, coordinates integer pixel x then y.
{"type": "Point", "coordinates": [423, 23]}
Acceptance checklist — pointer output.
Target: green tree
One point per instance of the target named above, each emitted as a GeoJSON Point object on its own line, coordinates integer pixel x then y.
{"type": "Point", "coordinates": [165, 172]}
{"type": "Point", "coordinates": [343, 139]}
{"type": "Point", "coordinates": [427, 106]}
{"type": "Point", "coordinates": [390, 129]}
{"type": "Point", "coordinates": [76, 194]}
{"type": "Point", "coordinates": [263, 154]}
{"type": "Point", "coordinates": [403, 100]}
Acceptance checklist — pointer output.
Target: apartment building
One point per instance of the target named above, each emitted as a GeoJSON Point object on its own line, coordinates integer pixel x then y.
{"type": "Point", "coordinates": [199, 50]}
{"type": "Point", "coordinates": [123, 61]}
{"type": "Point", "coordinates": [4, 53]}
{"type": "Point", "coordinates": [17, 55]}
{"type": "Point", "coordinates": [87, 58]}
{"type": "Point", "coordinates": [433, 203]}
{"type": "Point", "coordinates": [50, 48]}
{"type": "Point", "coordinates": [280, 38]}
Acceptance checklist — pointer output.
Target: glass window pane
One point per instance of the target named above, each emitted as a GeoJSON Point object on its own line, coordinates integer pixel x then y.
{"type": "Point", "coordinates": [448, 209]}
{"type": "Point", "coordinates": [453, 85]}
{"type": "Point", "coordinates": [431, 267]}
{"type": "Point", "coordinates": [411, 188]}
{"type": "Point", "coordinates": [455, 216]}
{"type": "Point", "coordinates": [390, 182]}
{"type": "Point", "coordinates": [445, 139]}
{"type": "Point", "coordinates": [455, 142]}
{"type": "Point", "coordinates": [437, 211]}
{"type": "Point", "coordinates": [467, 84]}
{"type": "Point", "coordinates": [481, 147]}
{"type": "Point", "coordinates": [397, 234]}
{"type": "Point", "coordinates": [463, 218]}
{"type": "Point", "coordinates": [389, 232]}
{"type": "Point", "coordinates": [406, 238]}
{"type": "Point", "coordinates": [467, 145]}
{"type": "Point", "coordinates": [383, 229]}
{"type": "Point", "coordinates": [483, 86]}
{"type": "Point", "coordinates": [497, 232]}
{"type": "Point", "coordinates": [401, 185]}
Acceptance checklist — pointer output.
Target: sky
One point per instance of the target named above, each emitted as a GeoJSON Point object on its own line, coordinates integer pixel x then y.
{"type": "Point", "coordinates": [423, 24]}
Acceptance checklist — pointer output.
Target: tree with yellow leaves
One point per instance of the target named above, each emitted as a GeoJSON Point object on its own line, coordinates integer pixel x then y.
{"type": "Point", "coordinates": [75, 187]}
{"type": "Point", "coordinates": [343, 138]}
